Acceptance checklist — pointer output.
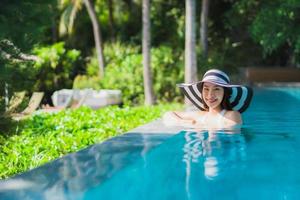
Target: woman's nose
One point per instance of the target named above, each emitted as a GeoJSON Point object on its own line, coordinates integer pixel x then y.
{"type": "Point", "coordinates": [211, 93]}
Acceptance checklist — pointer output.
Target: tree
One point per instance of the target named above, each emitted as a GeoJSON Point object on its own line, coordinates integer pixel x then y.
{"type": "Point", "coordinates": [148, 89]}
{"type": "Point", "coordinates": [16, 74]}
{"type": "Point", "coordinates": [190, 42]}
{"type": "Point", "coordinates": [67, 21]}
{"type": "Point", "coordinates": [203, 27]}
{"type": "Point", "coordinates": [270, 25]}
{"type": "Point", "coordinates": [276, 29]}
{"type": "Point", "coordinates": [111, 19]}
{"type": "Point", "coordinates": [26, 23]}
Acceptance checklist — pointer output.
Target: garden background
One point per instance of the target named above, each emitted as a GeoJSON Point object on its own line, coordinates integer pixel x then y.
{"type": "Point", "coordinates": [118, 44]}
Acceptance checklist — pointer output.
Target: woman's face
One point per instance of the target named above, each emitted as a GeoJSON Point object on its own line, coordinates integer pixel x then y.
{"type": "Point", "coordinates": [212, 95]}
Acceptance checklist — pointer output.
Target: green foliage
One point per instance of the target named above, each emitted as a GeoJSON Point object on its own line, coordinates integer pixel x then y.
{"type": "Point", "coordinates": [56, 67]}
{"type": "Point", "coordinates": [5, 122]}
{"type": "Point", "coordinates": [276, 24]}
{"type": "Point", "coordinates": [83, 81]}
{"type": "Point", "coordinates": [224, 55]}
{"type": "Point", "coordinates": [16, 74]}
{"type": "Point", "coordinates": [171, 15]}
{"type": "Point", "coordinates": [127, 24]}
{"type": "Point", "coordinates": [114, 54]}
{"type": "Point", "coordinates": [27, 22]}
{"type": "Point", "coordinates": [126, 20]}
{"type": "Point", "coordinates": [46, 137]}
{"type": "Point", "coordinates": [124, 71]}
{"type": "Point", "coordinates": [271, 24]}
{"type": "Point", "coordinates": [167, 66]}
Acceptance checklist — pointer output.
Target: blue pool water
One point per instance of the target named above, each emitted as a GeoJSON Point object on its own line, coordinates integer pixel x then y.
{"type": "Point", "coordinates": [260, 161]}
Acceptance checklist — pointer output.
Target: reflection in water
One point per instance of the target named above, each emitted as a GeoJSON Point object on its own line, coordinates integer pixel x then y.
{"type": "Point", "coordinates": [16, 184]}
{"type": "Point", "coordinates": [190, 165]}
{"type": "Point", "coordinates": [216, 152]}
{"type": "Point", "coordinates": [69, 177]}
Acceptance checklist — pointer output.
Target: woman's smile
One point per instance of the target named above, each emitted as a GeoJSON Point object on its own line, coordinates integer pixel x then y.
{"type": "Point", "coordinates": [211, 100]}
{"type": "Point", "coordinates": [216, 99]}
{"type": "Point", "coordinates": [212, 95]}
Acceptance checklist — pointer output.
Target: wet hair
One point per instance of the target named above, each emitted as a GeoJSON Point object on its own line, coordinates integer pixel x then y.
{"type": "Point", "coordinates": [225, 104]}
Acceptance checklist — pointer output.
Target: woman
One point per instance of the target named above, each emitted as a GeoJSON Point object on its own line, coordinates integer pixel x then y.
{"type": "Point", "coordinates": [220, 103]}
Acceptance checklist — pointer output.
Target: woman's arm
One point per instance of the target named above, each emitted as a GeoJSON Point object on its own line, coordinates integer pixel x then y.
{"type": "Point", "coordinates": [179, 118]}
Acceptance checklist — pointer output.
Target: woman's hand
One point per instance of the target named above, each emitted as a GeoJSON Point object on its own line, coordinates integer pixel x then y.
{"type": "Point", "coordinates": [172, 118]}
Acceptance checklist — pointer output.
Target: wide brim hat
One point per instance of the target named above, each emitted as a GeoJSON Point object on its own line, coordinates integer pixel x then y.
{"type": "Point", "coordinates": [239, 96]}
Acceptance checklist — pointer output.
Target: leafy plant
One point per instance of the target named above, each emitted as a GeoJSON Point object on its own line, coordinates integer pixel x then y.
{"type": "Point", "coordinates": [16, 74]}
{"type": "Point", "coordinates": [83, 81]}
{"type": "Point", "coordinates": [45, 137]}
{"type": "Point", "coordinates": [27, 23]}
{"type": "Point", "coordinates": [124, 71]}
{"type": "Point", "coordinates": [56, 67]}
{"type": "Point", "coordinates": [273, 25]}
{"type": "Point", "coordinates": [167, 65]}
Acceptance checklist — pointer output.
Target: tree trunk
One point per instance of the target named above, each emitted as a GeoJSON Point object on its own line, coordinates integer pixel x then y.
{"type": "Point", "coordinates": [97, 36]}
{"type": "Point", "coordinates": [6, 98]}
{"type": "Point", "coordinates": [54, 26]}
{"type": "Point", "coordinates": [190, 42]}
{"type": "Point", "coordinates": [203, 28]}
{"type": "Point", "coordinates": [111, 19]}
{"type": "Point", "coordinates": [148, 89]}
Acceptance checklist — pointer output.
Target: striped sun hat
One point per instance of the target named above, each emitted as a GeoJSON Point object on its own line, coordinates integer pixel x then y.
{"type": "Point", "coordinates": [239, 99]}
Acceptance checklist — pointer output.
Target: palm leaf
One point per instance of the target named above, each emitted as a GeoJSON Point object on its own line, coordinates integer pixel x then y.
{"type": "Point", "coordinates": [70, 10]}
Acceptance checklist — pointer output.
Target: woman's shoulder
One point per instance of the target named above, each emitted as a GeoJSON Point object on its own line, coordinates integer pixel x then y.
{"type": "Point", "coordinates": [234, 116]}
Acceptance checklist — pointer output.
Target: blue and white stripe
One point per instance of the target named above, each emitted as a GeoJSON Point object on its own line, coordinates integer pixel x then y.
{"type": "Point", "coordinates": [240, 96]}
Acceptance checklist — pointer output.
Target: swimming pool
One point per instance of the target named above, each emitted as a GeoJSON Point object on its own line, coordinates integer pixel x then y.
{"type": "Point", "coordinates": [261, 161]}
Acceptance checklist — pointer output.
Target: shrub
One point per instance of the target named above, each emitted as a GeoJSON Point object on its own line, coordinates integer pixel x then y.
{"type": "Point", "coordinates": [126, 77]}
{"type": "Point", "coordinates": [56, 67]}
{"type": "Point", "coordinates": [83, 81]}
{"type": "Point", "coordinates": [124, 71]}
{"type": "Point", "coordinates": [168, 70]}
{"type": "Point", "coordinates": [16, 74]}
{"type": "Point", "coordinates": [45, 137]}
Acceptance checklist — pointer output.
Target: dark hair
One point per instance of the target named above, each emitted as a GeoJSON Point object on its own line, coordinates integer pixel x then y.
{"type": "Point", "coordinates": [225, 104]}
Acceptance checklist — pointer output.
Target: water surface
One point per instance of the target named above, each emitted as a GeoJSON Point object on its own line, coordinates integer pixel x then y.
{"type": "Point", "coordinates": [260, 161]}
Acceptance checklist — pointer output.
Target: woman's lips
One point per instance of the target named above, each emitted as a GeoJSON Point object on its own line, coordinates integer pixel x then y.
{"type": "Point", "coordinates": [211, 100]}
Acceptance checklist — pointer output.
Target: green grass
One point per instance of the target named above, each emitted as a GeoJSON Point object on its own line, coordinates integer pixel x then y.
{"type": "Point", "coordinates": [45, 137]}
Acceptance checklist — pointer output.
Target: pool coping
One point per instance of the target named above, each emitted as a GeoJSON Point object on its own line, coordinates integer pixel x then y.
{"type": "Point", "coordinates": [277, 84]}
{"type": "Point", "coordinates": [156, 127]}
{"type": "Point", "coordinates": [24, 181]}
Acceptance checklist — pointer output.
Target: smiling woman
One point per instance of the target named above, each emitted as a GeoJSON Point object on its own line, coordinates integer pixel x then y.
{"type": "Point", "coordinates": [220, 103]}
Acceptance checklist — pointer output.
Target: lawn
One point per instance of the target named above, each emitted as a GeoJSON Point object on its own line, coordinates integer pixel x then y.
{"type": "Point", "coordinates": [45, 137]}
